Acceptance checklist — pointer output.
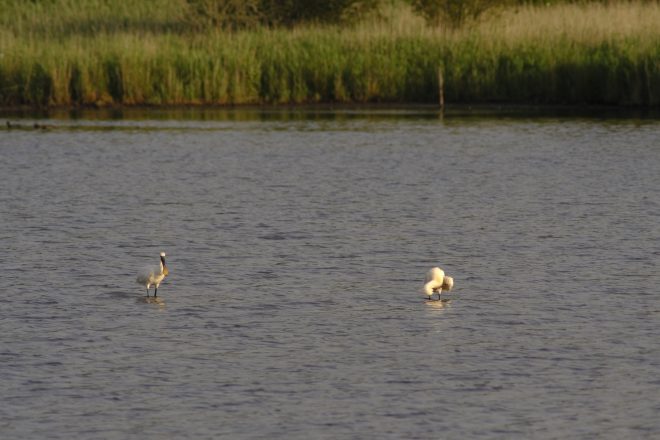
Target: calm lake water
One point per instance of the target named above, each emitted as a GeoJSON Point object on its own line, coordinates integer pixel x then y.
{"type": "Point", "coordinates": [297, 243]}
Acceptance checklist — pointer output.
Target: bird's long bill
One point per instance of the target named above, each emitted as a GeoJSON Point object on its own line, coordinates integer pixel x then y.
{"type": "Point", "coordinates": [166, 271]}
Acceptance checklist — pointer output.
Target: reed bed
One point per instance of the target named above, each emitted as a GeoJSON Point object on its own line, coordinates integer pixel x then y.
{"type": "Point", "coordinates": [70, 53]}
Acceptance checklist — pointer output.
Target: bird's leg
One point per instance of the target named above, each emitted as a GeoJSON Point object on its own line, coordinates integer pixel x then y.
{"type": "Point", "coordinates": [147, 292]}
{"type": "Point", "coordinates": [156, 291]}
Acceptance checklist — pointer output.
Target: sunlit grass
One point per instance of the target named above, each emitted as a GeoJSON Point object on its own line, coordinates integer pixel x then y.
{"type": "Point", "coordinates": [585, 23]}
{"type": "Point", "coordinates": [68, 52]}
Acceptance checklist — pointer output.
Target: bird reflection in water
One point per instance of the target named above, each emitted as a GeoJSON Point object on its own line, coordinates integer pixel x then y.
{"type": "Point", "coordinates": [438, 304]}
{"type": "Point", "coordinates": [151, 300]}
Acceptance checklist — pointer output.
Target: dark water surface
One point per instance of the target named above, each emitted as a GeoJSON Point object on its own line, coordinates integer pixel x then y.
{"type": "Point", "coordinates": [297, 245]}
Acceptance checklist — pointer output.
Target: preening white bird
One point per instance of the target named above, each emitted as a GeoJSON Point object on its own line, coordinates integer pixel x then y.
{"type": "Point", "coordinates": [153, 274]}
{"type": "Point", "coordinates": [436, 281]}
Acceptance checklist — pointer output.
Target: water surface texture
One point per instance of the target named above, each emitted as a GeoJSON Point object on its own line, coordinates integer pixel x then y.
{"type": "Point", "coordinates": [297, 246]}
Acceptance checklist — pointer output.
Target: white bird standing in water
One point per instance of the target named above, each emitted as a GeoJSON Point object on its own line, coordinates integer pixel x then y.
{"type": "Point", "coordinates": [153, 274]}
{"type": "Point", "coordinates": [436, 281]}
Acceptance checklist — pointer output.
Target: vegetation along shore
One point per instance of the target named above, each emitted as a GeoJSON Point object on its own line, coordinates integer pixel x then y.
{"type": "Point", "coordinates": [187, 52]}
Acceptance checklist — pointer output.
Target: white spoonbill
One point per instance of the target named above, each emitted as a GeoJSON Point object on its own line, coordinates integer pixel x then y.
{"type": "Point", "coordinates": [153, 274]}
{"type": "Point", "coordinates": [436, 281]}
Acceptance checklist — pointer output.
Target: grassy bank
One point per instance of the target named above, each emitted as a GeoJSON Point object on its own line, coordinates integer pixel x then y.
{"type": "Point", "coordinates": [94, 52]}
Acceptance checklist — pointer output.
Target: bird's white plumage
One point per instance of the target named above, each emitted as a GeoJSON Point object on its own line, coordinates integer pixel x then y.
{"type": "Point", "coordinates": [437, 281]}
{"type": "Point", "coordinates": [150, 275]}
{"type": "Point", "coordinates": [153, 275]}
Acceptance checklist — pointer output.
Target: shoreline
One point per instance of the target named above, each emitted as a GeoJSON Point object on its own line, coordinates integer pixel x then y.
{"type": "Point", "coordinates": [460, 110]}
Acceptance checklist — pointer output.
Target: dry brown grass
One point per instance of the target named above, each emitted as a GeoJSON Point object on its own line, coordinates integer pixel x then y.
{"type": "Point", "coordinates": [580, 23]}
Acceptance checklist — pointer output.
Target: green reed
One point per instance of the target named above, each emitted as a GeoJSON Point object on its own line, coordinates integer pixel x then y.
{"type": "Point", "coordinates": [147, 57]}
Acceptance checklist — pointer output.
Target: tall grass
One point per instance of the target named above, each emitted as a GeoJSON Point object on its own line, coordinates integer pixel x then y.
{"type": "Point", "coordinates": [94, 52]}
